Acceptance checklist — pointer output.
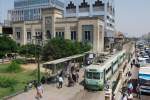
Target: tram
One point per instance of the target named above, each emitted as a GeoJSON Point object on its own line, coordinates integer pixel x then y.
{"type": "Point", "coordinates": [96, 74]}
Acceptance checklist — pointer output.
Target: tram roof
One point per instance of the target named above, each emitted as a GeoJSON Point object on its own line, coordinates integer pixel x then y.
{"type": "Point", "coordinates": [107, 63]}
{"type": "Point", "coordinates": [95, 66]}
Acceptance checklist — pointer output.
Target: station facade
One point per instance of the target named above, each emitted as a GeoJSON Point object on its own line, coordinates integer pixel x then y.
{"type": "Point", "coordinates": [78, 20]}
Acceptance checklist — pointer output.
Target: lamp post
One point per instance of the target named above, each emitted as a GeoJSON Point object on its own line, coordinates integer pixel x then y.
{"type": "Point", "coordinates": [37, 55]}
{"type": "Point", "coordinates": [38, 61]}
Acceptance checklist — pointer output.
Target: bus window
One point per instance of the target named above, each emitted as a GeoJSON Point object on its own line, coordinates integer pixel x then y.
{"type": "Point", "coordinates": [96, 75]}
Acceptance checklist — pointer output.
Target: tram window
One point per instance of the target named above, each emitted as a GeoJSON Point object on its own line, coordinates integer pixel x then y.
{"type": "Point", "coordinates": [107, 71]}
{"type": "Point", "coordinates": [96, 75]}
{"type": "Point", "coordinates": [102, 75]}
{"type": "Point", "coordinates": [89, 75]}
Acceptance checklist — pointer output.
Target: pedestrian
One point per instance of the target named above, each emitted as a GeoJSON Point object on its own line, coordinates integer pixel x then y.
{"type": "Point", "coordinates": [124, 97]}
{"type": "Point", "coordinates": [131, 65]}
{"type": "Point", "coordinates": [130, 87]}
{"type": "Point", "coordinates": [77, 77]}
{"type": "Point", "coordinates": [74, 77]}
{"type": "Point", "coordinates": [60, 79]}
{"type": "Point", "coordinates": [130, 96]}
{"type": "Point", "coordinates": [70, 81]}
{"type": "Point", "coordinates": [39, 90]}
{"type": "Point", "coordinates": [43, 80]}
{"type": "Point", "coordinates": [129, 74]}
{"type": "Point", "coordinates": [138, 90]}
{"type": "Point", "coordinates": [113, 96]}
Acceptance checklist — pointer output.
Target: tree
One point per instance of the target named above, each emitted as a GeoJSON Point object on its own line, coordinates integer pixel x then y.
{"type": "Point", "coordinates": [30, 50]}
{"type": "Point", "coordinates": [58, 48]}
{"type": "Point", "coordinates": [7, 45]}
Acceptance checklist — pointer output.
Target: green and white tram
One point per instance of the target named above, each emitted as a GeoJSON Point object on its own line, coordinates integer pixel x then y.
{"type": "Point", "coordinates": [97, 73]}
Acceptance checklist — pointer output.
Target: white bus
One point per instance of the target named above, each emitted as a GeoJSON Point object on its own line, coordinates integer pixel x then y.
{"type": "Point", "coordinates": [144, 78]}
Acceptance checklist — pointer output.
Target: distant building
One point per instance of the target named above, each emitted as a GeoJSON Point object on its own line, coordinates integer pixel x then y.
{"type": "Point", "coordinates": [6, 30]}
{"type": "Point", "coordinates": [29, 10]}
{"type": "Point", "coordinates": [119, 37]}
{"type": "Point", "coordinates": [53, 24]}
{"type": "Point", "coordinates": [91, 21]}
{"type": "Point", "coordinates": [104, 9]}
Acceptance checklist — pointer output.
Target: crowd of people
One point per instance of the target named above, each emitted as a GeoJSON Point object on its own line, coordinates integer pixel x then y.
{"type": "Point", "coordinates": [72, 77]}
{"type": "Point", "coordinates": [129, 90]}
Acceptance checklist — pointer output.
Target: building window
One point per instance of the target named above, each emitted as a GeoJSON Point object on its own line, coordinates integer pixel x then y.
{"type": "Point", "coordinates": [73, 35]}
{"type": "Point", "coordinates": [28, 35]}
{"type": "Point", "coordinates": [57, 34]}
{"type": "Point", "coordinates": [60, 34]}
{"type": "Point", "coordinates": [87, 36]}
{"type": "Point", "coordinates": [48, 34]}
{"type": "Point", "coordinates": [38, 35]}
{"type": "Point", "coordinates": [18, 36]}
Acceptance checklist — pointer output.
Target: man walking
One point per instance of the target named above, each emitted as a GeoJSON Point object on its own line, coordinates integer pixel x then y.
{"type": "Point", "coordinates": [60, 82]}
{"type": "Point", "coordinates": [138, 91]}
{"type": "Point", "coordinates": [39, 90]}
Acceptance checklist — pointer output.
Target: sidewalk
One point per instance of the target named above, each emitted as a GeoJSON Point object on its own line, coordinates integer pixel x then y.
{"type": "Point", "coordinates": [51, 92]}
{"type": "Point", "coordinates": [118, 94]}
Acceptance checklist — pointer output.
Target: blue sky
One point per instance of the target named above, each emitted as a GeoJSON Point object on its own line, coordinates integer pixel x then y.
{"type": "Point", "coordinates": [132, 16]}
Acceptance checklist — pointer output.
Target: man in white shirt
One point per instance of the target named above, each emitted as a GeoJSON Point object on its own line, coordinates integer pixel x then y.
{"type": "Point", "coordinates": [60, 81]}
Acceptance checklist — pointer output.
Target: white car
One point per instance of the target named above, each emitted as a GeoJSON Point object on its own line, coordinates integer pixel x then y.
{"type": "Point", "coordinates": [142, 61]}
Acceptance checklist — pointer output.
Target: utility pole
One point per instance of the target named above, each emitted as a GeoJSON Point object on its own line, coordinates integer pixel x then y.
{"type": "Point", "coordinates": [38, 61]}
{"type": "Point", "coordinates": [37, 56]}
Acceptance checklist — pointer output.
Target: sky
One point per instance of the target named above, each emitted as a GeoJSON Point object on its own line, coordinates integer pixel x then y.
{"type": "Point", "coordinates": [132, 16]}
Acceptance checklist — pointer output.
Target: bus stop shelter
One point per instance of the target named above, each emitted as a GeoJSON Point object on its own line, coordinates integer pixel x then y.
{"type": "Point", "coordinates": [55, 67]}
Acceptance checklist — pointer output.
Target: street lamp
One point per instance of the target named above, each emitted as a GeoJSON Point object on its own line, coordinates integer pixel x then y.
{"type": "Point", "coordinates": [38, 42]}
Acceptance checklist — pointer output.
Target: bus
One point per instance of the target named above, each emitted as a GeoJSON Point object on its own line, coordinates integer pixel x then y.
{"type": "Point", "coordinates": [144, 79]}
{"type": "Point", "coordinates": [96, 74]}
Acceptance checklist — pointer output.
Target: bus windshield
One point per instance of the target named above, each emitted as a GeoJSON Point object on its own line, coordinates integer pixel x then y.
{"type": "Point", "coordinates": [93, 75]}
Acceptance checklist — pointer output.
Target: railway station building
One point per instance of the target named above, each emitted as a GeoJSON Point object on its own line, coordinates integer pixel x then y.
{"type": "Point", "coordinates": [89, 21]}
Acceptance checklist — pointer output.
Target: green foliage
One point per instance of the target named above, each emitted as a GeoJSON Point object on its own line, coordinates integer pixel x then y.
{"type": "Point", "coordinates": [22, 78]}
{"type": "Point", "coordinates": [7, 45]}
{"type": "Point", "coordinates": [20, 61]}
{"type": "Point", "coordinates": [34, 73]}
{"type": "Point", "coordinates": [6, 82]}
{"type": "Point", "coordinates": [14, 67]}
{"type": "Point", "coordinates": [30, 50]}
{"type": "Point", "coordinates": [58, 48]}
